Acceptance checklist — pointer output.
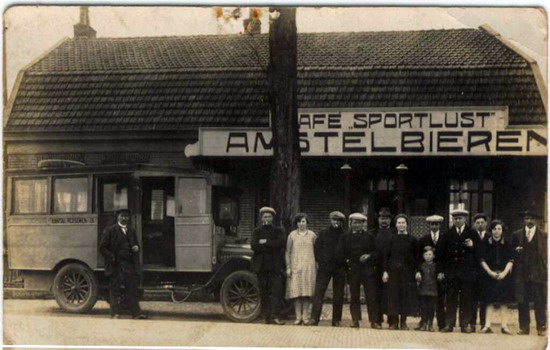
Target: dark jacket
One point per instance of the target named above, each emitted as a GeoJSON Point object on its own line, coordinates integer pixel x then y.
{"type": "Point", "coordinates": [426, 240]}
{"type": "Point", "coordinates": [382, 239]}
{"type": "Point", "coordinates": [456, 260]}
{"type": "Point", "coordinates": [115, 246]}
{"type": "Point", "coordinates": [428, 284]}
{"type": "Point", "coordinates": [523, 271]}
{"type": "Point", "coordinates": [271, 255]}
{"type": "Point", "coordinates": [349, 254]}
{"type": "Point", "coordinates": [325, 247]}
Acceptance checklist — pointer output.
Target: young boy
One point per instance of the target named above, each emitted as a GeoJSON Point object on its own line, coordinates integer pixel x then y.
{"type": "Point", "coordinates": [427, 290]}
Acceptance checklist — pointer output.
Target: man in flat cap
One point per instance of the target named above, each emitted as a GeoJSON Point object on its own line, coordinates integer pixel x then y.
{"type": "Point", "coordinates": [434, 240]}
{"type": "Point", "coordinates": [530, 272]}
{"type": "Point", "coordinates": [356, 249]}
{"type": "Point", "coordinates": [480, 226]}
{"type": "Point", "coordinates": [329, 268]}
{"type": "Point", "coordinates": [457, 265]}
{"type": "Point", "coordinates": [382, 235]}
{"type": "Point", "coordinates": [268, 262]}
{"type": "Point", "coordinates": [120, 248]}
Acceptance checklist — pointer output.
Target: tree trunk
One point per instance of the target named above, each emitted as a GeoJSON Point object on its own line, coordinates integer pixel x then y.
{"type": "Point", "coordinates": [285, 172]}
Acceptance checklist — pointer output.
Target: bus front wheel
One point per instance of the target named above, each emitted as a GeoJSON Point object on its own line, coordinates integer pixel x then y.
{"type": "Point", "coordinates": [75, 288]}
{"type": "Point", "coordinates": [240, 296]}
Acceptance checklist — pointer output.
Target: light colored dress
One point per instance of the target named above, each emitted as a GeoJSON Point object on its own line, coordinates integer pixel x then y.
{"type": "Point", "coordinates": [300, 258]}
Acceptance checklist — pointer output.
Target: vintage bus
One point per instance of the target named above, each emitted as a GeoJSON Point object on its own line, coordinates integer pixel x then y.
{"type": "Point", "coordinates": [184, 219]}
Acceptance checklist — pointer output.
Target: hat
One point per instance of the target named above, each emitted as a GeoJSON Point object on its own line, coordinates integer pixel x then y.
{"type": "Point", "coordinates": [358, 216]}
{"type": "Point", "coordinates": [267, 210]}
{"type": "Point", "coordinates": [336, 215]}
{"type": "Point", "coordinates": [459, 212]}
{"type": "Point", "coordinates": [531, 213]}
{"type": "Point", "coordinates": [125, 210]}
{"type": "Point", "coordinates": [384, 211]}
{"type": "Point", "coordinates": [479, 216]}
{"type": "Point", "coordinates": [434, 218]}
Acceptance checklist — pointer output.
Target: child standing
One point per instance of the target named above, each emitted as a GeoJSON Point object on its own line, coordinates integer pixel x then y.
{"type": "Point", "coordinates": [427, 290]}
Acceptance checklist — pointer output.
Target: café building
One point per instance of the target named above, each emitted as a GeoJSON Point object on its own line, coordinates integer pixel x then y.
{"type": "Point", "coordinates": [422, 122]}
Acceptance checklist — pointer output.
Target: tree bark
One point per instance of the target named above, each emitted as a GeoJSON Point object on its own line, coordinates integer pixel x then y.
{"type": "Point", "coordinates": [285, 186]}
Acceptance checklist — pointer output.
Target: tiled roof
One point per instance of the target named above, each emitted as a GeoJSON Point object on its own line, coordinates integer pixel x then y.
{"type": "Point", "coordinates": [181, 83]}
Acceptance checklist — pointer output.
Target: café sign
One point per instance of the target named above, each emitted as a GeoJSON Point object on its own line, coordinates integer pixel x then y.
{"type": "Point", "coordinates": [467, 131]}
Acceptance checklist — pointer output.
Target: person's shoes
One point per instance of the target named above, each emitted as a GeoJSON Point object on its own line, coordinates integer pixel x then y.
{"type": "Point", "coordinates": [466, 330]}
{"type": "Point", "coordinates": [446, 330]}
{"type": "Point", "coordinates": [473, 328]}
{"type": "Point", "coordinates": [523, 332]}
{"type": "Point", "coordinates": [486, 330]}
{"type": "Point", "coordinates": [505, 330]}
{"type": "Point", "coordinates": [298, 322]}
{"type": "Point", "coordinates": [376, 325]}
{"type": "Point", "coordinates": [393, 327]}
{"type": "Point", "coordinates": [354, 324]}
{"type": "Point", "coordinates": [115, 316]}
{"type": "Point", "coordinates": [312, 323]}
{"type": "Point", "coordinates": [403, 327]}
{"type": "Point", "coordinates": [335, 323]}
{"type": "Point", "coordinates": [430, 328]}
{"type": "Point", "coordinates": [541, 333]}
{"type": "Point", "coordinates": [278, 322]}
{"type": "Point", "coordinates": [419, 327]}
{"type": "Point", "coordinates": [141, 317]}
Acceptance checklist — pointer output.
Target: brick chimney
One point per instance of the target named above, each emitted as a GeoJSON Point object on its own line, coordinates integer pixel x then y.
{"type": "Point", "coordinates": [82, 29]}
{"type": "Point", "coordinates": [253, 25]}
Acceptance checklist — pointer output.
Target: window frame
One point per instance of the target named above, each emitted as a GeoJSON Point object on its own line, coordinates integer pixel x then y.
{"type": "Point", "coordinates": [480, 192]}
{"type": "Point", "coordinates": [89, 194]}
{"type": "Point", "coordinates": [24, 178]}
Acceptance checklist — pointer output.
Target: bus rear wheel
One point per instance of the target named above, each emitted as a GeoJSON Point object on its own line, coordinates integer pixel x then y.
{"type": "Point", "coordinates": [240, 297]}
{"type": "Point", "coordinates": [75, 288]}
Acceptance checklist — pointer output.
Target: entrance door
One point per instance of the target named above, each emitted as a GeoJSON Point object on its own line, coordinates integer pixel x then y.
{"type": "Point", "coordinates": [157, 213]}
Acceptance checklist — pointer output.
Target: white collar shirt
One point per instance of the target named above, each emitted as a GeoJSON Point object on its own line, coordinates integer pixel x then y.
{"type": "Point", "coordinates": [530, 233]}
{"type": "Point", "coordinates": [435, 236]}
{"type": "Point", "coordinates": [124, 228]}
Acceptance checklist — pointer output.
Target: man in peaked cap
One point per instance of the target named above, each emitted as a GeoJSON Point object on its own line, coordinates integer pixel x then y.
{"type": "Point", "coordinates": [329, 268]}
{"type": "Point", "coordinates": [434, 240]}
{"type": "Point", "coordinates": [530, 267]}
{"type": "Point", "coordinates": [356, 249]}
{"type": "Point", "coordinates": [382, 235]}
{"type": "Point", "coordinates": [456, 264]}
{"type": "Point", "coordinates": [480, 226]}
{"type": "Point", "coordinates": [268, 262]}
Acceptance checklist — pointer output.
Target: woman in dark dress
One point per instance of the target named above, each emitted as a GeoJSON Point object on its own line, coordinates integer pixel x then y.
{"type": "Point", "coordinates": [400, 269]}
{"type": "Point", "coordinates": [497, 259]}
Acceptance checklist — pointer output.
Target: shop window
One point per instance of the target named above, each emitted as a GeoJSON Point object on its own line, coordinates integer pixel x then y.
{"type": "Point", "coordinates": [472, 195]}
{"type": "Point", "coordinates": [30, 196]}
{"type": "Point", "coordinates": [157, 204]}
{"type": "Point", "coordinates": [115, 197]}
{"type": "Point", "coordinates": [71, 195]}
{"type": "Point", "coordinates": [385, 185]}
{"type": "Point", "coordinates": [192, 196]}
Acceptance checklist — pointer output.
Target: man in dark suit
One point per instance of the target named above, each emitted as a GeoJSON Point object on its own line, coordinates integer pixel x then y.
{"type": "Point", "coordinates": [456, 264]}
{"type": "Point", "coordinates": [268, 262]}
{"type": "Point", "coordinates": [329, 268]}
{"type": "Point", "coordinates": [356, 249]}
{"type": "Point", "coordinates": [119, 246]}
{"type": "Point", "coordinates": [530, 274]}
{"type": "Point", "coordinates": [480, 236]}
{"type": "Point", "coordinates": [434, 239]}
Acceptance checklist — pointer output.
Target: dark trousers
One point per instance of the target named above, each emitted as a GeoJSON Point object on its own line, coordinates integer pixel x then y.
{"type": "Point", "coordinates": [124, 283]}
{"type": "Point", "coordinates": [428, 304]}
{"type": "Point", "coordinates": [321, 284]}
{"type": "Point", "coordinates": [478, 304]}
{"type": "Point", "coordinates": [535, 292]}
{"type": "Point", "coordinates": [271, 286]}
{"type": "Point", "coordinates": [370, 288]}
{"type": "Point", "coordinates": [440, 309]}
{"type": "Point", "coordinates": [459, 296]}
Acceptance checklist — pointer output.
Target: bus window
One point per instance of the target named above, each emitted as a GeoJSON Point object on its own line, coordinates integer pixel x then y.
{"type": "Point", "coordinates": [71, 195]}
{"type": "Point", "coordinates": [30, 196]}
{"type": "Point", "coordinates": [115, 197]}
{"type": "Point", "coordinates": [192, 196]}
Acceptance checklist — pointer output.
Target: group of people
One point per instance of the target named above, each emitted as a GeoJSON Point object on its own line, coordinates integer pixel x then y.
{"type": "Point", "coordinates": [462, 270]}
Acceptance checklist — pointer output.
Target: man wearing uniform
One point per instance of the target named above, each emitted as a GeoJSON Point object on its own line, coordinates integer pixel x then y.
{"type": "Point", "coordinates": [434, 239]}
{"type": "Point", "coordinates": [268, 262]}
{"type": "Point", "coordinates": [530, 269]}
{"type": "Point", "coordinates": [119, 246]}
{"type": "Point", "coordinates": [480, 236]}
{"type": "Point", "coordinates": [357, 250]}
{"type": "Point", "coordinates": [329, 268]}
{"type": "Point", "coordinates": [457, 265]}
{"type": "Point", "coordinates": [382, 236]}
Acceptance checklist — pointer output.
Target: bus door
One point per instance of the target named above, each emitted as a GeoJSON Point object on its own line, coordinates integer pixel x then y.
{"type": "Point", "coordinates": [113, 194]}
{"type": "Point", "coordinates": [157, 214]}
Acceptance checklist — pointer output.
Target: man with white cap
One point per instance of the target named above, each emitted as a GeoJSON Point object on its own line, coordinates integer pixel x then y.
{"type": "Point", "coordinates": [434, 240]}
{"type": "Point", "coordinates": [268, 262]}
{"type": "Point", "coordinates": [357, 250]}
{"type": "Point", "coordinates": [457, 265]}
{"type": "Point", "coordinates": [329, 268]}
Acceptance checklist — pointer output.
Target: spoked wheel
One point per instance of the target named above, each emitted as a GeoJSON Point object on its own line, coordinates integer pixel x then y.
{"type": "Point", "coordinates": [75, 288]}
{"type": "Point", "coordinates": [240, 296]}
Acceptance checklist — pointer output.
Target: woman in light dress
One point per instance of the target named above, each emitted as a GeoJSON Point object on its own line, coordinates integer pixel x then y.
{"type": "Point", "coordinates": [301, 268]}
